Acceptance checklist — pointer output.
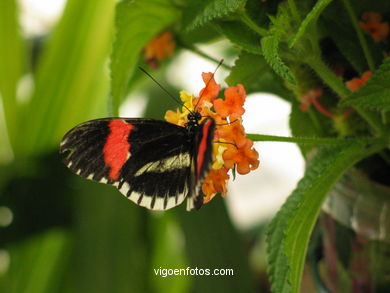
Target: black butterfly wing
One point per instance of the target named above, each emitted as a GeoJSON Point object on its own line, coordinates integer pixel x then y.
{"type": "Point", "coordinates": [149, 161]}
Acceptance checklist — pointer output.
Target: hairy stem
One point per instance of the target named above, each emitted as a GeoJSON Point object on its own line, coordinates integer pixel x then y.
{"type": "Point", "coordinates": [312, 140]}
{"type": "Point", "coordinates": [359, 32]}
{"type": "Point", "coordinates": [250, 23]}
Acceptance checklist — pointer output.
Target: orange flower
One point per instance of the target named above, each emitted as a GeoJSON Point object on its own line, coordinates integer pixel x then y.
{"type": "Point", "coordinates": [211, 90]}
{"type": "Point", "coordinates": [372, 24]}
{"type": "Point", "coordinates": [231, 149]}
{"type": "Point", "coordinates": [215, 182]}
{"type": "Point", "coordinates": [159, 48]}
{"type": "Point", "coordinates": [234, 101]}
{"type": "Point", "coordinates": [355, 83]}
{"type": "Point", "coordinates": [235, 133]}
{"type": "Point", "coordinates": [246, 158]}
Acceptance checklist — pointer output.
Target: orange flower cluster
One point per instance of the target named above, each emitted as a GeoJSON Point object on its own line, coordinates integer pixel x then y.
{"type": "Point", "coordinates": [159, 48]}
{"type": "Point", "coordinates": [231, 148]}
{"type": "Point", "coordinates": [355, 83]}
{"type": "Point", "coordinates": [372, 24]}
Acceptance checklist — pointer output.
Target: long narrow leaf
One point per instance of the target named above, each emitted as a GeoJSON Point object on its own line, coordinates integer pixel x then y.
{"type": "Point", "coordinates": [137, 22]}
{"type": "Point", "coordinates": [310, 18]}
{"type": "Point", "coordinates": [212, 242]}
{"type": "Point", "coordinates": [68, 73]}
{"type": "Point", "coordinates": [290, 230]}
{"type": "Point", "coordinates": [11, 62]}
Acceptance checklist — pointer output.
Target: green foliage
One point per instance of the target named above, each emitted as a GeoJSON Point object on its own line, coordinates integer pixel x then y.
{"type": "Point", "coordinates": [137, 22]}
{"type": "Point", "coordinates": [254, 72]}
{"type": "Point", "coordinates": [111, 246]}
{"type": "Point", "coordinates": [289, 231]}
{"type": "Point", "coordinates": [270, 45]}
{"type": "Point", "coordinates": [30, 270]}
{"type": "Point", "coordinates": [200, 12]}
{"type": "Point", "coordinates": [345, 39]}
{"type": "Point", "coordinates": [240, 35]}
{"type": "Point", "coordinates": [85, 237]}
{"type": "Point", "coordinates": [69, 76]}
{"type": "Point", "coordinates": [11, 63]}
{"type": "Point", "coordinates": [212, 242]}
{"type": "Point", "coordinates": [303, 125]}
{"type": "Point", "coordinates": [310, 18]}
{"type": "Point", "coordinates": [376, 93]}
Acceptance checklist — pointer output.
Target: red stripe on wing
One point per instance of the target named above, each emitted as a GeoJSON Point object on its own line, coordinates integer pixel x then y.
{"type": "Point", "coordinates": [203, 146]}
{"type": "Point", "coordinates": [117, 147]}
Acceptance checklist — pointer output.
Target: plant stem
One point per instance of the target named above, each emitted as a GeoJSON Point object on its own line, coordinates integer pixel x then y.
{"type": "Point", "coordinates": [250, 23]}
{"type": "Point", "coordinates": [196, 51]}
{"type": "Point", "coordinates": [359, 32]}
{"type": "Point", "coordinates": [329, 78]}
{"type": "Point", "coordinates": [312, 140]}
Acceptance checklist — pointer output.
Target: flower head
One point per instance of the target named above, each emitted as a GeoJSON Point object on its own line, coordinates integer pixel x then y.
{"type": "Point", "coordinates": [211, 90]}
{"type": "Point", "coordinates": [372, 24]}
{"type": "Point", "coordinates": [159, 48]}
{"type": "Point", "coordinates": [245, 157]}
{"type": "Point", "coordinates": [233, 103]}
{"type": "Point", "coordinates": [231, 148]}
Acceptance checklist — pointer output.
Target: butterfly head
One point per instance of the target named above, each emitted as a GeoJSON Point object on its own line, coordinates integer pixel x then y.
{"type": "Point", "coordinates": [193, 118]}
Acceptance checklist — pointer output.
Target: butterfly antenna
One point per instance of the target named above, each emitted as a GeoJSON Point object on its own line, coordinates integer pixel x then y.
{"type": "Point", "coordinates": [207, 84]}
{"type": "Point", "coordinates": [163, 88]}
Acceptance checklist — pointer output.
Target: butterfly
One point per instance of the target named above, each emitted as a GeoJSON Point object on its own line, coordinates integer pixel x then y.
{"type": "Point", "coordinates": [154, 163]}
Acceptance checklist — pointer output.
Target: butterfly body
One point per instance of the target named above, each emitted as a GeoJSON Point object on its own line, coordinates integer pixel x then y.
{"type": "Point", "coordinates": [154, 163]}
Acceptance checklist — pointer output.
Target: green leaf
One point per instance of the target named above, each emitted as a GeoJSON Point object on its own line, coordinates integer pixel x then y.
{"type": "Point", "coordinates": [37, 263]}
{"type": "Point", "coordinates": [336, 23]}
{"type": "Point", "coordinates": [203, 34]}
{"type": "Point", "coordinates": [310, 18]}
{"type": "Point", "coordinates": [112, 245]}
{"type": "Point", "coordinates": [256, 75]}
{"type": "Point", "coordinates": [11, 63]}
{"type": "Point", "coordinates": [137, 22]}
{"type": "Point", "coordinates": [241, 35]}
{"type": "Point", "coordinates": [200, 12]}
{"type": "Point", "coordinates": [375, 94]}
{"type": "Point", "coordinates": [71, 83]}
{"type": "Point", "coordinates": [289, 231]}
{"type": "Point", "coordinates": [270, 45]}
{"type": "Point", "coordinates": [346, 41]}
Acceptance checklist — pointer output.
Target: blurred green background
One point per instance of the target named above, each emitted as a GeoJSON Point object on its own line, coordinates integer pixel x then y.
{"type": "Point", "coordinates": [61, 233]}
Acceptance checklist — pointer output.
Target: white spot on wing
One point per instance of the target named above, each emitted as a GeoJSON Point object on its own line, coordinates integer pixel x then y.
{"type": "Point", "coordinates": [171, 163]}
{"type": "Point", "coordinates": [90, 176]}
{"type": "Point", "coordinates": [146, 201]}
{"type": "Point", "coordinates": [159, 204]}
{"type": "Point", "coordinates": [124, 188]}
{"type": "Point", "coordinates": [190, 204]}
{"type": "Point", "coordinates": [134, 196]}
